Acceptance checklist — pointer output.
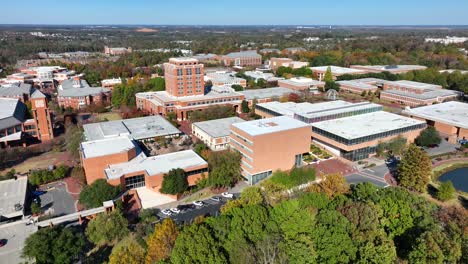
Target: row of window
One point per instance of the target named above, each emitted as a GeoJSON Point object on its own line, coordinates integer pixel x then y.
{"type": "Point", "coordinates": [360, 140]}
{"type": "Point", "coordinates": [188, 71]}
{"type": "Point", "coordinates": [212, 101]}
{"type": "Point", "coordinates": [242, 138]}
{"type": "Point", "coordinates": [338, 115]}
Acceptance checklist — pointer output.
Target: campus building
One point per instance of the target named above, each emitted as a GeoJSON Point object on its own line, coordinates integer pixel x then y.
{"type": "Point", "coordinates": [356, 137]}
{"type": "Point", "coordinates": [111, 83]}
{"type": "Point", "coordinates": [120, 161]}
{"type": "Point", "coordinates": [13, 202]}
{"type": "Point", "coordinates": [223, 78]}
{"type": "Point", "coordinates": [112, 152]}
{"type": "Point", "coordinates": [140, 129]}
{"type": "Point", "coordinates": [266, 95]}
{"type": "Point", "coordinates": [215, 133]}
{"type": "Point", "coordinates": [359, 86]}
{"type": "Point", "coordinates": [242, 59]}
{"type": "Point", "coordinates": [319, 72]}
{"type": "Point", "coordinates": [267, 145]}
{"type": "Point", "coordinates": [449, 118]}
{"type": "Point", "coordinates": [184, 77]}
{"type": "Point", "coordinates": [117, 51]}
{"type": "Point", "coordinates": [275, 63]}
{"type": "Point", "coordinates": [411, 93]}
{"type": "Point", "coordinates": [17, 128]}
{"type": "Point", "coordinates": [312, 113]}
{"type": "Point", "coordinates": [301, 84]}
{"type": "Point", "coordinates": [77, 94]}
{"type": "Point", "coordinates": [20, 91]}
{"type": "Point", "coordinates": [395, 69]}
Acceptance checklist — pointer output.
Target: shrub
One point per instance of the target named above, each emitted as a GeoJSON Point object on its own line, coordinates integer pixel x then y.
{"type": "Point", "coordinates": [446, 191]}
{"type": "Point", "coordinates": [295, 177]}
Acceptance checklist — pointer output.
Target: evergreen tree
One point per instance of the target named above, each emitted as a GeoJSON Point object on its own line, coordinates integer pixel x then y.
{"type": "Point", "coordinates": [446, 191]}
{"type": "Point", "coordinates": [414, 170]}
{"type": "Point", "coordinates": [174, 182]}
{"type": "Point", "coordinates": [328, 77]}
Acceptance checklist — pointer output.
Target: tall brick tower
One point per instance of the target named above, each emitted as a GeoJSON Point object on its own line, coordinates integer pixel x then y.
{"type": "Point", "coordinates": [42, 116]}
{"type": "Point", "coordinates": [184, 77]}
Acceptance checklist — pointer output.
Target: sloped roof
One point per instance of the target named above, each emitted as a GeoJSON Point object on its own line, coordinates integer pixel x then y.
{"type": "Point", "coordinates": [12, 112]}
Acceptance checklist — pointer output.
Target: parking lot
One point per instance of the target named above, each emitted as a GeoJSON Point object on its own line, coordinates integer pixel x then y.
{"type": "Point", "coordinates": [15, 234]}
{"type": "Point", "coordinates": [57, 201]}
{"type": "Point", "coordinates": [190, 211]}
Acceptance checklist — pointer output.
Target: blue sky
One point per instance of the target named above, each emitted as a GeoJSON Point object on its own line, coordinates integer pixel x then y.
{"type": "Point", "coordinates": [236, 12]}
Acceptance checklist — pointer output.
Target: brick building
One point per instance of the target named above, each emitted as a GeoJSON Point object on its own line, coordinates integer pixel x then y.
{"type": "Point", "coordinates": [77, 94]}
{"type": "Point", "coordinates": [242, 59]}
{"type": "Point", "coordinates": [215, 133]}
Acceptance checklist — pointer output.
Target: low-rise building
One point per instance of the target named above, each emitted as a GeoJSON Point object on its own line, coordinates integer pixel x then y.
{"type": "Point", "coordinates": [13, 201]}
{"type": "Point", "coordinates": [265, 95]}
{"type": "Point", "coordinates": [275, 63]}
{"type": "Point", "coordinates": [117, 51]}
{"type": "Point", "coordinates": [120, 161]}
{"type": "Point", "coordinates": [140, 129]}
{"type": "Point", "coordinates": [294, 50]}
{"type": "Point", "coordinates": [267, 145]}
{"type": "Point", "coordinates": [242, 59]}
{"type": "Point", "coordinates": [359, 86]}
{"type": "Point", "coordinates": [312, 113]}
{"type": "Point", "coordinates": [225, 79]}
{"type": "Point", "coordinates": [415, 93]}
{"type": "Point", "coordinates": [77, 94]}
{"type": "Point", "coordinates": [301, 84]}
{"type": "Point", "coordinates": [257, 75]}
{"type": "Point", "coordinates": [319, 72]}
{"type": "Point", "coordinates": [20, 91]}
{"type": "Point", "coordinates": [449, 118]}
{"type": "Point", "coordinates": [215, 133]}
{"type": "Point", "coordinates": [395, 69]}
{"type": "Point", "coordinates": [357, 137]}
{"type": "Point", "coordinates": [111, 83]}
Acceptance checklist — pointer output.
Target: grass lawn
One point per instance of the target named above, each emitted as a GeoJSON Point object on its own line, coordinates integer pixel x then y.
{"type": "Point", "coordinates": [41, 162]}
{"type": "Point", "coordinates": [293, 178]}
{"type": "Point", "coordinates": [110, 116]}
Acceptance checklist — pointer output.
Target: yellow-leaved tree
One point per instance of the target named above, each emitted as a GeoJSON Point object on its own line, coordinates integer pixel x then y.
{"type": "Point", "coordinates": [161, 242]}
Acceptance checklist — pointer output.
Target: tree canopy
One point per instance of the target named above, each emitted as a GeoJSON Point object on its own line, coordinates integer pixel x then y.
{"type": "Point", "coordinates": [428, 137]}
{"type": "Point", "coordinates": [414, 169]}
{"type": "Point", "coordinates": [224, 168]}
{"type": "Point", "coordinates": [94, 195]}
{"type": "Point", "coordinates": [174, 182]}
{"type": "Point", "coordinates": [107, 228]}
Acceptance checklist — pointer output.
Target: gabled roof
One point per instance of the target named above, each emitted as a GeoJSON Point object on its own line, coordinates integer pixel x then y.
{"type": "Point", "coordinates": [12, 112]}
{"type": "Point", "coordinates": [16, 89]}
{"type": "Point", "coordinates": [79, 88]}
{"type": "Point", "coordinates": [37, 94]}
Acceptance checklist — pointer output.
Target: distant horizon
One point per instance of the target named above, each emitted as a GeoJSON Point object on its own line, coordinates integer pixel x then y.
{"type": "Point", "coordinates": [242, 12]}
{"type": "Point", "coordinates": [245, 25]}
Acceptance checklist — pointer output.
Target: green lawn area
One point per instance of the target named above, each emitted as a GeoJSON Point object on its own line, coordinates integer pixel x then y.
{"type": "Point", "coordinates": [110, 116]}
{"type": "Point", "coordinates": [293, 178]}
{"type": "Point", "coordinates": [41, 162]}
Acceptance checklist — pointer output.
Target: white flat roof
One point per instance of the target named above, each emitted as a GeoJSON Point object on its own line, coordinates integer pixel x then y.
{"type": "Point", "coordinates": [266, 93]}
{"type": "Point", "coordinates": [301, 81]}
{"type": "Point", "coordinates": [107, 146]}
{"type": "Point", "coordinates": [218, 127]}
{"type": "Point", "coordinates": [315, 110]}
{"type": "Point", "coordinates": [358, 85]}
{"type": "Point", "coordinates": [453, 113]}
{"type": "Point", "coordinates": [337, 70]}
{"type": "Point", "coordinates": [138, 128]}
{"type": "Point", "coordinates": [415, 85]}
{"type": "Point", "coordinates": [366, 124]}
{"type": "Point", "coordinates": [12, 192]}
{"type": "Point", "coordinates": [157, 164]}
{"type": "Point", "coordinates": [269, 125]}
{"type": "Point", "coordinates": [391, 68]}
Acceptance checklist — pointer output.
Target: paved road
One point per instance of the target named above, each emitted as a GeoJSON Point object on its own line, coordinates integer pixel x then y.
{"type": "Point", "coordinates": [375, 175]}
{"type": "Point", "coordinates": [57, 201]}
{"type": "Point", "coordinates": [444, 147]}
{"type": "Point", "coordinates": [16, 234]}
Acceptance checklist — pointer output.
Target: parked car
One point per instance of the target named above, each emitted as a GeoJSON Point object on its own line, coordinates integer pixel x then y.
{"type": "Point", "coordinates": [198, 203]}
{"type": "Point", "coordinates": [166, 212]}
{"type": "Point", "coordinates": [3, 242]}
{"type": "Point", "coordinates": [215, 198]}
{"type": "Point", "coordinates": [227, 195]}
{"type": "Point", "coordinates": [186, 206]}
{"type": "Point", "coordinates": [175, 210]}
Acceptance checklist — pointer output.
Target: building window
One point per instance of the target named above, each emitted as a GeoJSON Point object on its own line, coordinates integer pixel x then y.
{"type": "Point", "coordinates": [135, 182]}
{"type": "Point", "coordinates": [189, 71]}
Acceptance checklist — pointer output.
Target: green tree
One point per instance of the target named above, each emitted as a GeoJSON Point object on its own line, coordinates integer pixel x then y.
{"type": "Point", "coordinates": [396, 146]}
{"type": "Point", "coordinates": [196, 244]}
{"type": "Point", "coordinates": [73, 138]}
{"type": "Point", "coordinates": [237, 87]}
{"type": "Point", "coordinates": [262, 83]}
{"type": "Point", "coordinates": [435, 246]}
{"type": "Point", "coordinates": [107, 228]}
{"type": "Point", "coordinates": [414, 169]}
{"type": "Point", "coordinates": [156, 84]}
{"type": "Point", "coordinates": [428, 137]}
{"type": "Point", "coordinates": [224, 168]}
{"type": "Point", "coordinates": [446, 191]}
{"type": "Point", "coordinates": [245, 106]}
{"type": "Point", "coordinates": [174, 182]}
{"type": "Point", "coordinates": [54, 245]}
{"type": "Point", "coordinates": [127, 251]}
{"type": "Point", "coordinates": [99, 191]}
{"type": "Point", "coordinates": [332, 85]}
{"type": "Point", "coordinates": [328, 77]}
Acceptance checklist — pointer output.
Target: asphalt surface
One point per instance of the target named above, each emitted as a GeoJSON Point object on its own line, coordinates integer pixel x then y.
{"type": "Point", "coordinates": [16, 234]}
{"type": "Point", "coordinates": [210, 208]}
{"type": "Point", "coordinates": [57, 201]}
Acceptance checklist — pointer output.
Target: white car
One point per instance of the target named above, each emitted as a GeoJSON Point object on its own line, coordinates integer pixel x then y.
{"type": "Point", "coordinates": [198, 203]}
{"type": "Point", "coordinates": [175, 210]}
{"type": "Point", "coordinates": [227, 195]}
{"type": "Point", "coordinates": [166, 212]}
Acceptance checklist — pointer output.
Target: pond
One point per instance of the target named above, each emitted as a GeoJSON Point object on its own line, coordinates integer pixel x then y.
{"type": "Point", "coordinates": [459, 178]}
